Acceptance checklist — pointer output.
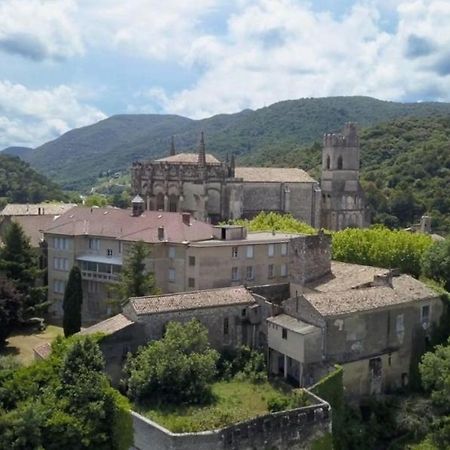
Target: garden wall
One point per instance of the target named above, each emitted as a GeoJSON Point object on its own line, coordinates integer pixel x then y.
{"type": "Point", "coordinates": [295, 430]}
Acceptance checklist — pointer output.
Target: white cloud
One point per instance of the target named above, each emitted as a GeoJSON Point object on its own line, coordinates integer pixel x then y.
{"type": "Point", "coordinates": [32, 117]}
{"type": "Point", "coordinates": [40, 29]}
{"type": "Point", "coordinates": [281, 49]}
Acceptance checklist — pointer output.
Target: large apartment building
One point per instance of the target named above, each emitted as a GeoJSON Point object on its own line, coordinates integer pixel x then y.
{"type": "Point", "coordinates": [186, 254]}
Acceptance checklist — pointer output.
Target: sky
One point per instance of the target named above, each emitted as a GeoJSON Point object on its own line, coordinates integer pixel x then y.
{"type": "Point", "coordinates": [69, 63]}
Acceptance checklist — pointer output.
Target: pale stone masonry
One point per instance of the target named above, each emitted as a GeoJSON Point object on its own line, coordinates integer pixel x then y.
{"type": "Point", "coordinates": [212, 190]}
{"type": "Point", "coordinates": [186, 254]}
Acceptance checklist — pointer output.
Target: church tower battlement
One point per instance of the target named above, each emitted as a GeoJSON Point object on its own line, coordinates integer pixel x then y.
{"type": "Point", "coordinates": [343, 202]}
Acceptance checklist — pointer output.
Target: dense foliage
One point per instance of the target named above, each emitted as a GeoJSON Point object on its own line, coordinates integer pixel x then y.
{"type": "Point", "coordinates": [179, 368]}
{"type": "Point", "coordinates": [72, 303]}
{"type": "Point", "coordinates": [20, 264]}
{"type": "Point", "coordinates": [10, 304]}
{"type": "Point", "coordinates": [134, 279]}
{"type": "Point", "coordinates": [381, 247]}
{"type": "Point", "coordinates": [270, 221]}
{"type": "Point", "coordinates": [19, 183]}
{"type": "Point", "coordinates": [436, 263]}
{"type": "Point", "coordinates": [63, 402]}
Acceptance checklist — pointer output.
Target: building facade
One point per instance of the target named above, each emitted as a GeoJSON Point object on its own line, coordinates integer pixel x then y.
{"type": "Point", "coordinates": [211, 190]}
{"type": "Point", "coordinates": [185, 254]}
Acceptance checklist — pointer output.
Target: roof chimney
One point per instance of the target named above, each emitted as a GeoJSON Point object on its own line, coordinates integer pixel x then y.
{"type": "Point", "coordinates": [172, 147]}
{"type": "Point", "coordinates": [160, 233]}
{"type": "Point", "coordinates": [233, 165]}
{"type": "Point", "coordinates": [202, 151]}
{"type": "Point", "coordinates": [186, 218]}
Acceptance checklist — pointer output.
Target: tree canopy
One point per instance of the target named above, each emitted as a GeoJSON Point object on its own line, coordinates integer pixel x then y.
{"type": "Point", "coordinates": [64, 402]}
{"type": "Point", "coordinates": [134, 279]}
{"type": "Point", "coordinates": [436, 262]}
{"type": "Point", "coordinates": [72, 303]}
{"type": "Point", "coordinates": [179, 368]}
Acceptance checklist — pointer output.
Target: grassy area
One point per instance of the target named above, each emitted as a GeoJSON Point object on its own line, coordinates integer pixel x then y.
{"type": "Point", "coordinates": [22, 342]}
{"type": "Point", "coordinates": [234, 401]}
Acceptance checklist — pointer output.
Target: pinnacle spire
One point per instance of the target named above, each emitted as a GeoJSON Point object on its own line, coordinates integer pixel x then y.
{"type": "Point", "coordinates": [201, 151]}
{"type": "Point", "coordinates": [172, 147]}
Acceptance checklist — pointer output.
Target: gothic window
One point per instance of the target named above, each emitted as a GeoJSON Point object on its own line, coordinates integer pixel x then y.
{"type": "Point", "coordinates": [328, 161]}
{"type": "Point", "coordinates": [339, 163]}
{"type": "Point", "coordinates": [173, 203]}
{"type": "Point", "coordinates": [160, 202]}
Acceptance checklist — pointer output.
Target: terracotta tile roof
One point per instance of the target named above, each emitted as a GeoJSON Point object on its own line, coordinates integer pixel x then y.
{"type": "Point", "coordinates": [209, 298]}
{"type": "Point", "coordinates": [108, 326]}
{"type": "Point", "coordinates": [273, 174]}
{"type": "Point", "coordinates": [405, 289]}
{"type": "Point", "coordinates": [15, 209]}
{"type": "Point", "coordinates": [43, 350]}
{"type": "Point", "coordinates": [346, 276]}
{"type": "Point", "coordinates": [120, 224]}
{"type": "Point", "coordinates": [189, 158]}
{"type": "Point", "coordinates": [33, 226]}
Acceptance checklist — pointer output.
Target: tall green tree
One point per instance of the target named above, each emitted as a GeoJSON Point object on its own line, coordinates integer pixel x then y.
{"type": "Point", "coordinates": [180, 367]}
{"type": "Point", "coordinates": [436, 263]}
{"type": "Point", "coordinates": [64, 402]}
{"type": "Point", "coordinates": [20, 264]}
{"type": "Point", "coordinates": [10, 303]}
{"type": "Point", "coordinates": [72, 302]}
{"type": "Point", "coordinates": [134, 279]}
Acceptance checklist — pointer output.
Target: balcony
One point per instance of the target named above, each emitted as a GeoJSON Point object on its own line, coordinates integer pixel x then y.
{"type": "Point", "coordinates": [99, 276]}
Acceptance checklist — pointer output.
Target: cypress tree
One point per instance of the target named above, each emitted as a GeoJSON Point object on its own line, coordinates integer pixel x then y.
{"type": "Point", "coordinates": [73, 299]}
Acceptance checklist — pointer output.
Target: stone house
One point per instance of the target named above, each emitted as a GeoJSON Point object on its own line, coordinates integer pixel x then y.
{"type": "Point", "coordinates": [212, 190]}
{"type": "Point", "coordinates": [186, 254]}
{"type": "Point", "coordinates": [363, 318]}
{"type": "Point", "coordinates": [231, 315]}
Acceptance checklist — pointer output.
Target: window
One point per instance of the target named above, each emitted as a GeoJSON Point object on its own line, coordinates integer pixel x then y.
{"type": "Point", "coordinates": [270, 271]}
{"type": "Point", "coordinates": [284, 333]}
{"type": "Point", "coordinates": [109, 252]}
{"type": "Point", "coordinates": [234, 252]}
{"type": "Point", "coordinates": [283, 249]}
{"type": "Point", "coordinates": [271, 250]}
{"type": "Point", "coordinates": [61, 264]}
{"type": "Point", "coordinates": [120, 246]}
{"type": "Point", "coordinates": [425, 314]}
{"type": "Point", "coordinates": [192, 260]}
{"type": "Point", "coordinates": [283, 270]}
{"type": "Point", "coordinates": [59, 286]}
{"type": "Point", "coordinates": [328, 161]}
{"type": "Point", "coordinates": [339, 163]}
{"type": "Point", "coordinates": [250, 273]}
{"type": "Point", "coordinates": [235, 274]}
{"type": "Point", "coordinates": [400, 324]}
{"type": "Point", "coordinates": [249, 251]}
{"type": "Point", "coordinates": [226, 326]}
{"type": "Point", "coordinates": [94, 244]}
{"type": "Point", "coordinates": [92, 287]}
{"type": "Point", "coordinates": [172, 275]}
{"type": "Point", "coordinates": [191, 282]}
{"type": "Point", "coordinates": [172, 252]}
{"type": "Point", "coordinates": [243, 312]}
{"type": "Point", "coordinates": [60, 243]}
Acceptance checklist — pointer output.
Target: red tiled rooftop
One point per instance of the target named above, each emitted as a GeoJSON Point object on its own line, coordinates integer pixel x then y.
{"type": "Point", "coordinates": [120, 224]}
{"type": "Point", "coordinates": [108, 326]}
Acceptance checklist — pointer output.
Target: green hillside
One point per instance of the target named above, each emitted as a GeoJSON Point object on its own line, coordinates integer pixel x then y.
{"type": "Point", "coordinates": [405, 169]}
{"type": "Point", "coordinates": [77, 158]}
{"type": "Point", "coordinates": [19, 183]}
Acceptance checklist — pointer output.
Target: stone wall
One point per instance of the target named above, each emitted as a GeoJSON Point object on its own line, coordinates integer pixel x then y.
{"type": "Point", "coordinates": [309, 258]}
{"type": "Point", "coordinates": [295, 430]}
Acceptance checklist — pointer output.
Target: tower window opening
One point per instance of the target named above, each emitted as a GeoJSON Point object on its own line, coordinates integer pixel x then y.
{"type": "Point", "coordinates": [339, 163]}
{"type": "Point", "coordinates": [328, 161]}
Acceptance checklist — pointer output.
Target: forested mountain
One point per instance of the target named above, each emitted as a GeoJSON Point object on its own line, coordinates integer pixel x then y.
{"type": "Point", "coordinates": [21, 152]}
{"type": "Point", "coordinates": [20, 183]}
{"type": "Point", "coordinates": [76, 158]}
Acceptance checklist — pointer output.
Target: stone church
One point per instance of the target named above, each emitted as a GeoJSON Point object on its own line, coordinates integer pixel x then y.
{"type": "Point", "coordinates": [212, 190]}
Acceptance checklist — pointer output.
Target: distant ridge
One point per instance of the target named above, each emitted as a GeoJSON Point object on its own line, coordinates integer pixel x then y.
{"type": "Point", "coordinates": [22, 152]}
{"type": "Point", "coordinates": [76, 158]}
